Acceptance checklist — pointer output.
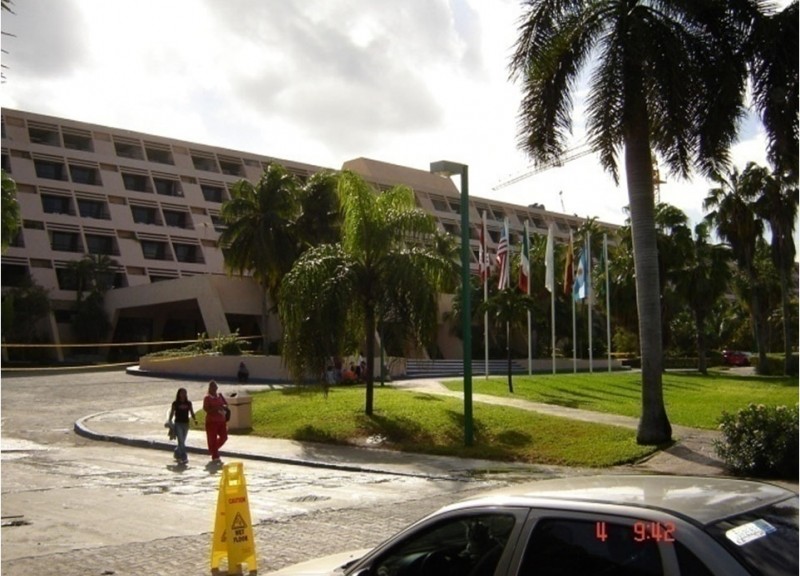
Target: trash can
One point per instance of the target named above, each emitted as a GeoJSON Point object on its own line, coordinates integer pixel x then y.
{"type": "Point", "coordinates": [241, 406]}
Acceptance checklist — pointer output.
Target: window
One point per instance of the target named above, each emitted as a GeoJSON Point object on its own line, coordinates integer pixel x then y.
{"type": "Point", "coordinates": [144, 215]}
{"type": "Point", "coordinates": [572, 546]}
{"type": "Point", "coordinates": [14, 275]}
{"type": "Point", "coordinates": [167, 187]}
{"type": "Point", "coordinates": [127, 149]}
{"type": "Point", "coordinates": [158, 154]}
{"type": "Point", "coordinates": [154, 250]}
{"type": "Point", "coordinates": [440, 205]}
{"type": "Point", "coordinates": [84, 174]}
{"type": "Point", "coordinates": [231, 167]}
{"type": "Point", "coordinates": [52, 204]}
{"type": "Point", "coordinates": [6, 163]}
{"type": "Point", "coordinates": [219, 225]}
{"type": "Point", "coordinates": [66, 279]}
{"type": "Point", "coordinates": [96, 244]}
{"type": "Point", "coordinates": [203, 162]}
{"type": "Point", "coordinates": [65, 241]}
{"type": "Point", "coordinates": [212, 193]}
{"type": "Point", "coordinates": [186, 252]}
{"type": "Point", "coordinates": [92, 209]}
{"type": "Point", "coordinates": [135, 182]}
{"type": "Point", "coordinates": [175, 219]}
{"type": "Point", "coordinates": [471, 544]}
{"type": "Point", "coordinates": [49, 169]}
{"type": "Point", "coordinates": [77, 141]}
{"type": "Point", "coordinates": [47, 135]}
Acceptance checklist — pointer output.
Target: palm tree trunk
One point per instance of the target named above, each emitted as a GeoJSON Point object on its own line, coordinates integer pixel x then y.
{"type": "Point", "coordinates": [787, 329]}
{"type": "Point", "coordinates": [265, 321]}
{"type": "Point", "coordinates": [759, 322]}
{"type": "Point", "coordinates": [654, 427]}
{"type": "Point", "coordinates": [699, 323]}
{"type": "Point", "coordinates": [369, 332]}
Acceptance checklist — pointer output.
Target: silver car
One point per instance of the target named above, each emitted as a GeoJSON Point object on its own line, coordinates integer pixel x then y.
{"type": "Point", "coordinates": [630, 525]}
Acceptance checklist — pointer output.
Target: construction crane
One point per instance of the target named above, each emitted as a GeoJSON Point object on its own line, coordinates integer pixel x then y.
{"type": "Point", "coordinates": [572, 154]}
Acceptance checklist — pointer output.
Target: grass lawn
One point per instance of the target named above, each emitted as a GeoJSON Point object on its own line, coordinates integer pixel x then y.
{"type": "Point", "coordinates": [691, 399]}
{"type": "Point", "coordinates": [432, 424]}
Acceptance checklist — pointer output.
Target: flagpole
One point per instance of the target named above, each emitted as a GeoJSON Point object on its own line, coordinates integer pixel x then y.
{"type": "Point", "coordinates": [485, 298]}
{"type": "Point", "coordinates": [572, 298]}
{"type": "Point", "coordinates": [528, 292]}
{"type": "Point", "coordinates": [589, 295]}
{"type": "Point", "coordinates": [608, 301]}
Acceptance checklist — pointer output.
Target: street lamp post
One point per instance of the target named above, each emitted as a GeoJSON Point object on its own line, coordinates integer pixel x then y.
{"type": "Point", "coordinates": [448, 169]}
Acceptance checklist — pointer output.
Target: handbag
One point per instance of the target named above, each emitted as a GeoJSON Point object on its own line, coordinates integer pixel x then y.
{"type": "Point", "coordinates": [227, 413]}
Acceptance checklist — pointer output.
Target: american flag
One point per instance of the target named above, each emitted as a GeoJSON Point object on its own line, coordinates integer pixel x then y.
{"type": "Point", "coordinates": [502, 258]}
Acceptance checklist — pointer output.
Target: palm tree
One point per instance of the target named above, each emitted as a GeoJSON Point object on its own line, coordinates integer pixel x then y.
{"type": "Point", "coordinates": [733, 204]}
{"type": "Point", "coordinates": [702, 280]}
{"type": "Point", "coordinates": [666, 77]}
{"type": "Point", "coordinates": [319, 221]}
{"type": "Point", "coordinates": [778, 206]}
{"type": "Point", "coordinates": [508, 308]}
{"type": "Point", "coordinates": [773, 49]}
{"type": "Point", "coordinates": [386, 264]}
{"type": "Point", "coordinates": [259, 237]}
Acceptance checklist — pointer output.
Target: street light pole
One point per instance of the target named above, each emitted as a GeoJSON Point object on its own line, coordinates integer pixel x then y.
{"type": "Point", "coordinates": [448, 169]}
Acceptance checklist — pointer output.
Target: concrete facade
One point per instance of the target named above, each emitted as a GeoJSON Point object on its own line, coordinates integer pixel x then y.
{"type": "Point", "coordinates": [152, 205]}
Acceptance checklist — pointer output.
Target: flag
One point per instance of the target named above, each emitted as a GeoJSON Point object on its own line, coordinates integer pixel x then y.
{"type": "Point", "coordinates": [502, 258]}
{"type": "Point", "coordinates": [568, 268]}
{"type": "Point", "coordinates": [549, 279]}
{"type": "Point", "coordinates": [525, 263]}
{"type": "Point", "coordinates": [579, 288]}
{"type": "Point", "coordinates": [484, 263]}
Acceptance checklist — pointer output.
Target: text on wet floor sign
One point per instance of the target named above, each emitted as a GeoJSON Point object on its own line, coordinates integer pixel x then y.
{"type": "Point", "coordinates": [233, 528]}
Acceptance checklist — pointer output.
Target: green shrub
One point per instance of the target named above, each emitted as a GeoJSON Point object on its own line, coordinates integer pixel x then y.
{"type": "Point", "coordinates": [760, 441]}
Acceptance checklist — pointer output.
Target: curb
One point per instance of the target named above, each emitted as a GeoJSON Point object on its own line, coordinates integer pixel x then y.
{"type": "Point", "coordinates": [81, 429]}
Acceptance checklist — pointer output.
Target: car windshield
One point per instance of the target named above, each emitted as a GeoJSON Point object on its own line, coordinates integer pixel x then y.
{"type": "Point", "coordinates": [765, 539]}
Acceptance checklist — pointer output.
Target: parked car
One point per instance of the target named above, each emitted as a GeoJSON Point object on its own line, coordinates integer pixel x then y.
{"type": "Point", "coordinates": [615, 524]}
{"type": "Point", "coordinates": [735, 358]}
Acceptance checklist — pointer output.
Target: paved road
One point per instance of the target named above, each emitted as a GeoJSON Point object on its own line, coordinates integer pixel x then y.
{"type": "Point", "coordinates": [73, 506]}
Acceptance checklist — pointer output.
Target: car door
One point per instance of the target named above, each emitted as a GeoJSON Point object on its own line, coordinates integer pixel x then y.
{"type": "Point", "coordinates": [465, 542]}
{"type": "Point", "coordinates": [647, 544]}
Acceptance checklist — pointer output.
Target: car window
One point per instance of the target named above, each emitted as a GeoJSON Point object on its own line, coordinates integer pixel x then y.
{"type": "Point", "coordinates": [765, 539]}
{"type": "Point", "coordinates": [571, 546]}
{"type": "Point", "coordinates": [469, 545]}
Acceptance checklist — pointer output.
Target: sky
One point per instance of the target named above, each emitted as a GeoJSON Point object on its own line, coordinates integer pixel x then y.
{"type": "Point", "coordinates": [406, 82]}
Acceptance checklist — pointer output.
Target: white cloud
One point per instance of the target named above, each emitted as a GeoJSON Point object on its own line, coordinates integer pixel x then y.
{"type": "Point", "coordinates": [315, 81]}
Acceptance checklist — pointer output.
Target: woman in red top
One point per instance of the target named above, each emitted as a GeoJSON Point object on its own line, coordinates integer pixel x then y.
{"type": "Point", "coordinates": [216, 427]}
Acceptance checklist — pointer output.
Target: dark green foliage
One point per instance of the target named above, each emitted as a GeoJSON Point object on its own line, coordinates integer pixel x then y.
{"type": "Point", "coordinates": [760, 441]}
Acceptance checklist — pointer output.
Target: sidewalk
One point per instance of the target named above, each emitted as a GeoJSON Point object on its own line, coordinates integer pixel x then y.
{"type": "Point", "coordinates": [692, 454]}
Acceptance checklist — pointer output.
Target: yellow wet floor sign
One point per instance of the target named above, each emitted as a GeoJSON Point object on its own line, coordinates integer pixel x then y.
{"type": "Point", "coordinates": [233, 529]}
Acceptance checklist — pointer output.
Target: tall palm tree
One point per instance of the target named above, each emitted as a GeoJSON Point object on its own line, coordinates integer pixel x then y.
{"type": "Point", "coordinates": [702, 280]}
{"type": "Point", "coordinates": [508, 309]}
{"type": "Point", "coordinates": [666, 76]}
{"type": "Point", "coordinates": [386, 263]}
{"type": "Point", "coordinates": [319, 221]}
{"type": "Point", "coordinates": [259, 236]}
{"type": "Point", "coordinates": [778, 206]}
{"type": "Point", "coordinates": [733, 214]}
{"type": "Point", "coordinates": [773, 55]}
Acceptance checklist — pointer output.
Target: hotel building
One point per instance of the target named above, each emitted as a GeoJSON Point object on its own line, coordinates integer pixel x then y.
{"type": "Point", "coordinates": [152, 205]}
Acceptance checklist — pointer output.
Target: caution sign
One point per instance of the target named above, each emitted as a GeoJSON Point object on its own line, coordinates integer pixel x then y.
{"type": "Point", "coordinates": [233, 529]}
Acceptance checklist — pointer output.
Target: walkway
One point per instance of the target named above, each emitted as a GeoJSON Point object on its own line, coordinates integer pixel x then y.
{"type": "Point", "coordinates": [692, 454]}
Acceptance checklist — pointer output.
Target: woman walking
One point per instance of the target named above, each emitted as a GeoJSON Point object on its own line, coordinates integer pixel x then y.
{"type": "Point", "coordinates": [181, 410]}
{"type": "Point", "coordinates": [215, 407]}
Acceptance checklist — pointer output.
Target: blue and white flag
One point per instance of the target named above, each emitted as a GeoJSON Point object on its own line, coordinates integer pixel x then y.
{"type": "Point", "coordinates": [579, 284]}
